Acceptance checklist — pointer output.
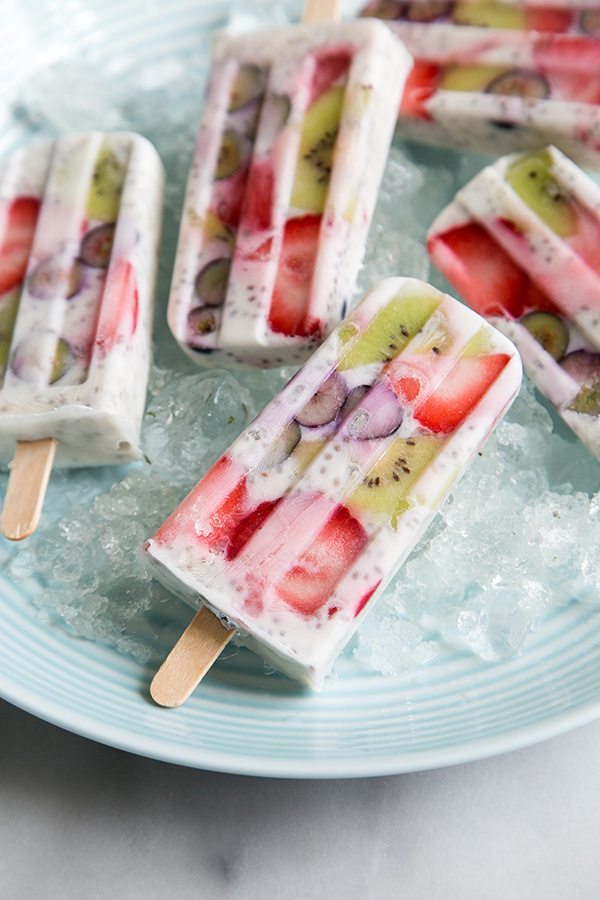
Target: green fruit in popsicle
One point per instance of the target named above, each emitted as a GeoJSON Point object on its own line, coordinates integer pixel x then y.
{"type": "Point", "coordinates": [104, 196]}
{"type": "Point", "coordinates": [549, 330]}
{"type": "Point", "coordinates": [9, 306]}
{"type": "Point", "coordinates": [388, 332]}
{"type": "Point", "coordinates": [469, 78]}
{"type": "Point", "coordinates": [317, 144]}
{"type": "Point", "coordinates": [532, 179]}
{"type": "Point", "coordinates": [233, 153]}
{"type": "Point", "coordinates": [62, 360]}
{"type": "Point", "coordinates": [211, 282]}
{"type": "Point", "coordinates": [384, 489]}
{"type": "Point", "coordinates": [249, 85]}
{"type": "Point", "coordinates": [489, 14]}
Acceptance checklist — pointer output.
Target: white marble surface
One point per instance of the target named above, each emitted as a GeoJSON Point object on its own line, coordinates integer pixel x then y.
{"type": "Point", "coordinates": [79, 821]}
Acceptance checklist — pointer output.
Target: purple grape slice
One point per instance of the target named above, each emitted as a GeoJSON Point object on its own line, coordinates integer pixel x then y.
{"type": "Point", "coordinates": [51, 278]}
{"type": "Point", "coordinates": [377, 415]}
{"type": "Point", "coordinates": [96, 246]}
{"type": "Point", "coordinates": [282, 446]}
{"type": "Point", "coordinates": [582, 366]}
{"type": "Point", "coordinates": [520, 83]}
{"type": "Point", "coordinates": [202, 321]}
{"type": "Point", "coordinates": [211, 282]}
{"type": "Point", "coordinates": [325, 403]}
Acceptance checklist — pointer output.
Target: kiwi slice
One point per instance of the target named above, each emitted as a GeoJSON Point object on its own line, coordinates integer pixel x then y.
{"type": "Point", "coordinates": [104, 196]}
{"type": "Point", "coordinates": [388, 332]}
{"type": "Point", "coordinates": [96, 246]}
{"type": "Point", "coordinates": [587, 400]}
{"type": "Point", "coordinates": [532, 179]}
{"type": "Point", "coordinates": [203, 320]}
{"type": "Point", "coordinates": [215, 229]}
{"type": "Point", "coordinates": [489, 15]}
{"type": "Point", "coordinates": [480, 344]}
{"type": "Point", "coordinates": [317, 145]}
{"type": "Point", "coordinates": [520, 83]}
{"type": "Point", "coordinates": [469, 78]}
{"type": "Point", "coordinates": [232, 154]}
{"type": "Point", "coordinates": [9, 307]}
{"type": "Point", "coordinates": [249, 85]}
{"type": "Point", "coordinates": [63, 359]}
{"type": "Point", "coordinates": [549, 330]}
{"type": "Point", "coordinates": [384, 489]}
{"type": "Point", "coordinates": [211, 282]}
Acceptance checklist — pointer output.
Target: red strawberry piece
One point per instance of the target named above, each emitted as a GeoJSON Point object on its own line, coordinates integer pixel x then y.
{"type": "Point", "coordinates": [331, 65]}
{"type": "Point", "coordinates": [365, 599]}
{"type": "Point", "coordinates": [586, 240]}
{"type": "Point", "coordinates": [246, 527]}
{"type": "Point", "coordinates": [421, 84]}
{"type": "Point", "coordinates": [120, 306]}
{"type": "Point", "coordinates": [545, 18]}
{"type": "Point", "coordinates": [567, 52]}
{"type": "Point", "coordinates": [460, 392]}
{"type": "Point", "coordinates": [257, 212]}
{"type": "Point", "coordinates": [480, 269]}
{"type": "Point", "coordinates": [229, 197]}
{"type": "Point", "coordinates": [211, 510]}
{"type": "Point", "coordinates": [289, 304]}
{"type": "Point", "coordinates": [17, 226]}
{"type": "Point", "coordinates": [308, 585]}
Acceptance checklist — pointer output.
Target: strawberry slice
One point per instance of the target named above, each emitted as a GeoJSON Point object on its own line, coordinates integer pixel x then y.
{"type": "Point", "coordinates": [246, 527]}
{"type": "Point", "coordinates": [544, 18]}
{"type": "Point", "coordinates": [308, 585]}
{"type": "Point", "coordinates": [257, 213]}
{"type": "Point", "coordinates": [331, 65]}
{"type": "Point", "coordinates": [289, 304]}
{"type": "Point", "coordinates": [211, 510]}
{"type": "Point", "coordinates": [460, 392]}
{"type": "Point", "coordinates": [17, 226]}
{"type": "Point", "coordinates": [120, 306]}
{"type": "Point", "coordinates": [421, 84]}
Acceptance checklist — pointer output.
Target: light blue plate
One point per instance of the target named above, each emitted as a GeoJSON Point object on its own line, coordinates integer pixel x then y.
{"type": "Point", "coordinates": [455, 709]}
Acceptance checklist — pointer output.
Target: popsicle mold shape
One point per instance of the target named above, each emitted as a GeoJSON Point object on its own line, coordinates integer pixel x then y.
{"type": "Point", "coordinates": [521, 243]}
{"type": "Point", "coordinates": [498, 90]}
{"type": "Point", "coordinates": [291, 148]}
{"type": "Point", "coordinates": [79, 228]}
{"type": "Point", "coordinates": [298, 527]}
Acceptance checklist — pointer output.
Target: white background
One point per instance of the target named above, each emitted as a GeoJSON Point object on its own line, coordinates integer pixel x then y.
{"type": "Point", "coordinates": [79, 821]}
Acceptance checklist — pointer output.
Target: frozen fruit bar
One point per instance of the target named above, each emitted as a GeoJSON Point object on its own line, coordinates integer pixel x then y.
{"type": "Point", "coordinates": [521, 242]}
{"type": "Point", "coordinates": [499, 90]}
{"type": "Point", "coordinates": [79, 228]}
{"type": "Point", "coordinates": [564, 16]}
{"type": "Point", "coordinates": [292, 144]}
{"type": "Point", "coordinates": [299, 526]}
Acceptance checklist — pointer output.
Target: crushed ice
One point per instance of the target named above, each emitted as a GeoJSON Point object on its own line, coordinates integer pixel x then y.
{"type": "Point", "coordinates": [521, 535]}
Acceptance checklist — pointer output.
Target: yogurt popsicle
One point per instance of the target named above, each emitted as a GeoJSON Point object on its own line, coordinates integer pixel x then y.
{"type": "Point", "coordinates": [291, 149]}
{"type": "Point", "coordinates": [521, 242]}
{"type": "Point", "coordinates": [552, 16]}
{"type": "Point", "coordinates": [298, 527]}
{"type": "Point", "coordinates": [79, 229]}
{"type": "Point", "coordinates": [497, 90]}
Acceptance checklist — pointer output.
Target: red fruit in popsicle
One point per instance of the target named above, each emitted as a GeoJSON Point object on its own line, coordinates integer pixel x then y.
{"type": "Point", "coordinates": [246, 527]}
{"type": "Point", "coordinates": [119, 313]}
{"type": "Point", "coordinates": [421, 84]}
{"type": "Point", "coordinates": [257, 213]}
{"type": "Point", "coordinates": [460, 392]}
{"type": "Point", "coordinates": [17, 225]}
{"type": "Point", "coordinates": [308, 585]}
{"type": "Point", "coordinates": [289, 304]}
{"type": "Point", "coordinates": [330, 67]}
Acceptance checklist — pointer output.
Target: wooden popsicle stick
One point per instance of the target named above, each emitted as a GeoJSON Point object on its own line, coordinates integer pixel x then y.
{"type": "Point", "coordinates": [190, 659]}
{"type": "Point", "coordinates": [317, 11]}
{"type": "Point", "coordinates": [27, 483]}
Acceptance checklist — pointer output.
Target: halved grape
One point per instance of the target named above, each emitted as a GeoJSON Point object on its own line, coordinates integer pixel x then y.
{"type": "Point", "coordinates": [325, 403]}
{"type": "Point", "coordinates": [377, 415]}
{"type": "Point", "coordinates": [96, 246]}
{"type": "Point", "coordinates": [520, 83]}
{"type": "Point", "coordinates": [590, 21]}
{"type": "Point", "coordinates": [203, 320]}
{"type": "Point", "coordinates": [248, 86]}
{"type": "Point", "coordinates": [549, 330]}
{"type": "Point", "coordinates": [582, 366]}
{"type": "Point", "coordinates": [211, 282]}
{"type": "Point", "coordinates": [282, 446]}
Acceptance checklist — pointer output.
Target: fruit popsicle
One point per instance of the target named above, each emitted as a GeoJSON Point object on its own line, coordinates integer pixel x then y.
{"type": "Point", "coordinates": [298, 527]}
{"type": "Point", "coordinates": [497, 91]}
{"type": "Point", "coordinates": [558, 17]}
{"type": "Point", "coordinates": [521, 242]}
{"type": "Point", "coordinates": [291, 149]}
{"type": "Point", "coordinates": [79, 228]}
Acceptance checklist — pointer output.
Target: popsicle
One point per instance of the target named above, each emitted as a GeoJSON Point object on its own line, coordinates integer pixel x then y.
{"type": "Point", "coordinates": [521, 243]}
{"type": "Point", "coordinates": [296, 530]}
{"type": "Point", "coordinates": [558, 17]}
{"type": "Point", "coordinates": [291, 149]}
{"type": "Point", "coordinates": [497, 90]}
{"type": "Point", "coordinates": [79, 228]}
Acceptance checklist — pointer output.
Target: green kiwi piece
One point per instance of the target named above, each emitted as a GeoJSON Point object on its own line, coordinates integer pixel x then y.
{"type": "Point", "coordinates": [587, 400]}
{"type": "Point", "coordinates": [388, 332]}
{"type": "Point", "coordinates": [62, 360]}
{"type": "Point", "coordinates": [248, 86]}
{"type": "Point", "coordinates": [211, 282]}
{"type": "Point", "coordinates": [532, 179]}
{"type": "Point", "coordinates": [232, 155]}
{"type": "Point", "coordinates": [104, 196]}
{"type": "Point", "coordinates": [549, 330]}
{"type": "Point", "coordinates": [385, 488]}
{"type": "Point", "coordinates": [317, 145]}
